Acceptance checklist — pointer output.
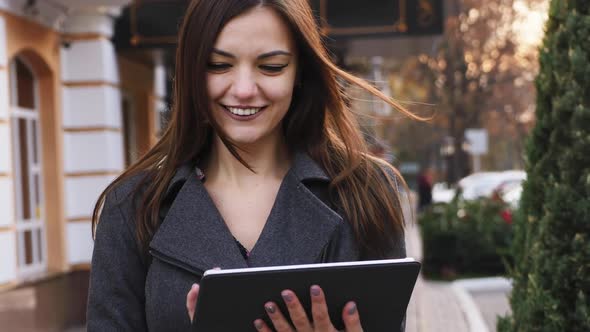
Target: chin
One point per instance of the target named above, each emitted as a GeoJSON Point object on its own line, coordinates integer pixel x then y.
{"type": "Point", "coordinates": [250, 136]}
{"type": "Point", "coordinates": [244, 139]}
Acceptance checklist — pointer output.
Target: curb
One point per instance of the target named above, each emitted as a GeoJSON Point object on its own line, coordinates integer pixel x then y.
{"type": "Point", "coordinates": [475, 320]}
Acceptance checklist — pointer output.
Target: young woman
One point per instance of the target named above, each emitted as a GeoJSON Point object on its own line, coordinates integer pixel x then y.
{"type": "Point", "coordinates": [262, 164]}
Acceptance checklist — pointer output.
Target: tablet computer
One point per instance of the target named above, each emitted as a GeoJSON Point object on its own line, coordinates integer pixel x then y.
{"type": "Point", "coordinates": [230, 300]}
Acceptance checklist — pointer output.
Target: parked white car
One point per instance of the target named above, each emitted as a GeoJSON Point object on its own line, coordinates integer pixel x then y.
{"type": "Point", "coordinates": [442, 193]}
{"type": "Point", "coordinates": [512, 196]}
{"type": "Point", "coordinates": [484, 184]}
{"type": "Point", "coordinates": [507, 184]}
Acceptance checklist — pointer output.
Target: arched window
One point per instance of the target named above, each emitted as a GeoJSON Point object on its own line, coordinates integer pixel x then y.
{"type": "Point", "coordinates": [25, 128]}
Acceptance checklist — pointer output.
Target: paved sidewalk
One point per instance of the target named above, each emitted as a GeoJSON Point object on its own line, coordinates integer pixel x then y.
{"type": "Point", "coordinates": [468, 305]}
{"type": "Point", "coordinates": [434, 306]}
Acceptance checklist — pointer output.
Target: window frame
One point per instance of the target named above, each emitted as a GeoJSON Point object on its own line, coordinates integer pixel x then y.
{"type": "Point", "coordinates": [36, 223]}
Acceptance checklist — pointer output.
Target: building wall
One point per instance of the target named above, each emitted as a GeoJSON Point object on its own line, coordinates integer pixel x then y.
{"type": "Point", "coordinates": [7, 246]}
{"type": "Point", "coordinates": [38, 46]}
{"type": "Point", "coordinates": [81, 84]}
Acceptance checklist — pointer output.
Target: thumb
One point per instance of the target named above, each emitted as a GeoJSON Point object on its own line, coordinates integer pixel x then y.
{"type": "Point", "coordinates": [191, 300]}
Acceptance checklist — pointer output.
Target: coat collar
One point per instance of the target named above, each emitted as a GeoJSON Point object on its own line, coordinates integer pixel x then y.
{"type": "Point", "coordinates": [304, 168]}
{"type": "Point", "coordinates": [298, 228]}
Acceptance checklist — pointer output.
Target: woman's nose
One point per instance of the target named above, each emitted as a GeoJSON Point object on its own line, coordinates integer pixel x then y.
{"type": "Point", "coordinates": [244, 85]}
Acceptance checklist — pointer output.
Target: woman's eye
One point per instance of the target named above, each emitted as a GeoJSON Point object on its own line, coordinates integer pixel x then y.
{"type": "Point", "coordinates": [217, 66]}
{"type": "Point", "coordinates": [273, 68]}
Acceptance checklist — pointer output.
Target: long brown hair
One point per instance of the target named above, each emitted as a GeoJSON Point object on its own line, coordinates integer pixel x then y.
{"type": "Point", "coordinates": [318, 123]}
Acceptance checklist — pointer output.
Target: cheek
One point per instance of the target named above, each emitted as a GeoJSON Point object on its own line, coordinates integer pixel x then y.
{"type": "Point", "coordinates": [214, 87]}
{"type": "Point", "coordinates": [279, 92]}
{"type": "Point", "coordinates": [280, 89]}
{"type": "Point", "coordinates": [281, 95]}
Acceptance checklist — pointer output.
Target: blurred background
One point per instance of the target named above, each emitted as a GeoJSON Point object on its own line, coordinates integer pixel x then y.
{"type": "Point", "coordinates": [85, 89]}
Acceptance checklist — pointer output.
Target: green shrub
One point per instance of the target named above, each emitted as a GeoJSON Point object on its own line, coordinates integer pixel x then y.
{"type": "Point", "coordinates": [551, 270]}
{"type": "Point", "coordinates": [465, 238]}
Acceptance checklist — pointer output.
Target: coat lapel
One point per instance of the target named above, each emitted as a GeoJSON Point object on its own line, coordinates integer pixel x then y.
{"type": "Point", "coordinates": [298, 228]}
{"type": "Point", "coordinates": [194, 233]}
{"type": "Point", "coordinates": [300, 224]}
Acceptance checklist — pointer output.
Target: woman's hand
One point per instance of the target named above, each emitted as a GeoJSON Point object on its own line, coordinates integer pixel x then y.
{"type": "Point", "coordinates": [320, 318]}
{"type": "Point", "coordinates": [191, 300]}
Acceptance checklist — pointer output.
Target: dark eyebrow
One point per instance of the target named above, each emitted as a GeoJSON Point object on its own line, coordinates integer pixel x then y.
{"type": "Point", "coordinates": [223, 53]}
{"type": "Point", "coordinates": [261, 56]}
{"type": "Point", "coordinates": [273, 53]}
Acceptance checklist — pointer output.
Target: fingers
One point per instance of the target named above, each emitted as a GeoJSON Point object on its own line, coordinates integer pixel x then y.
{"type": "Point", "coordinates": [351, 318]}
{"type": "Point", "coordinates": [191, 300]}
{"type": "Point", "coordinates": [319, 310]}
{"type": "Point", "coordinates": [260, 325]}
{"type": "Point", "coordinates": [277, 318]}
{"type": "Point", "coordinates": [296, 311]}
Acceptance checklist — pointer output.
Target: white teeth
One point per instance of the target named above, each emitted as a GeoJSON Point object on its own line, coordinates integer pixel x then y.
{"type": "Point", "coordinates": [243, 111]}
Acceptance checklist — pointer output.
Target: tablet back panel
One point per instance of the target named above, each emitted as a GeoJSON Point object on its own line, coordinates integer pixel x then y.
{"type": "Point", "coordinates": [232, 302]}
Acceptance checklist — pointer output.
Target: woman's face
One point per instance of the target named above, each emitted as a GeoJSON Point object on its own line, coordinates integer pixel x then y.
{"type": "Point", "coordinates": [251, 74]}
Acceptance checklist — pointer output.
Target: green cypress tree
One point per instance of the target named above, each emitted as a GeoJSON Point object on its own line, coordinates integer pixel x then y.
{"type": "Point", "coordinates": [551, 271]}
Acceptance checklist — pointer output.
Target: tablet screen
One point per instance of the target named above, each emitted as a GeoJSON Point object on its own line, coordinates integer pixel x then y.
{"type": "Point", "coordinates": [230, 300]}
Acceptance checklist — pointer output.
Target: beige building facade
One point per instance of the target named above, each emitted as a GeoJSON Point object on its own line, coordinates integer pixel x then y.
{"type": "Point", "coordinates": [73, 114]}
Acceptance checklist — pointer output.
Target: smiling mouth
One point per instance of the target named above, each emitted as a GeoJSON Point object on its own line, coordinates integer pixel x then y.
{"type": "Point", "coordinates": [243, 111]}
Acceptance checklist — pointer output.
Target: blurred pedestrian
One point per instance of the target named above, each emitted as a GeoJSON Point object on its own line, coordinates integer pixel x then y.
{"type": "Point", "coordinates": [262, 164]}
{"type": "Point", "coordinates": [425, 183]}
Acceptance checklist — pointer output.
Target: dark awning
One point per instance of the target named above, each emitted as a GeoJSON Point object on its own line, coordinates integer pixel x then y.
{"type": "Point", "coordinates": [154, 23]}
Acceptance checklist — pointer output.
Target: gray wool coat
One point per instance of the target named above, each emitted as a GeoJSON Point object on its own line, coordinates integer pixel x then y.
{"type": "Point", "coordinates": [132, 292]}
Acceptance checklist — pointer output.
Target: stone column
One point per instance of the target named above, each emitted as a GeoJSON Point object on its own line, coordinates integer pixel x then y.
{"type": "Point", "coordinates": [92, 122]}
{"type": "Point", "coordinates": [7, 229]}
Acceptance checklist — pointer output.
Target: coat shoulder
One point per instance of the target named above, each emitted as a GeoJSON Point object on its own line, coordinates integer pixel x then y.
{"type": "Point", "coordinates": [126, 188]}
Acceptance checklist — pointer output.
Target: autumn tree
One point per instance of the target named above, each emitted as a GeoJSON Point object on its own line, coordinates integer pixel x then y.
{"type": "Point", "coordinates": [480, 76]}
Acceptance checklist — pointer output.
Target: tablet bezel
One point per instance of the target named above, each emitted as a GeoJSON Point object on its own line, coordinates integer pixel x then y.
{"type": "Point", "coordinates": [229, 297]}
{"type": "Point", "coordinates": [307, 266]}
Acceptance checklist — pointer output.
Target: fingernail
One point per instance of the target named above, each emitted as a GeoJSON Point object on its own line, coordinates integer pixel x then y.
{"type": "Point", "coordinates": [194, 286]}
{"type": "Point", "coordinates": [352, 309]}
{"type": "Point", "coordinates": [315, 290]}
{"type": "Point", "coordinates": [270, 308]}
{"type": "Point", "coordinates": [286, 296]}
{"type": "Point", "coordinates": [258, 324]}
